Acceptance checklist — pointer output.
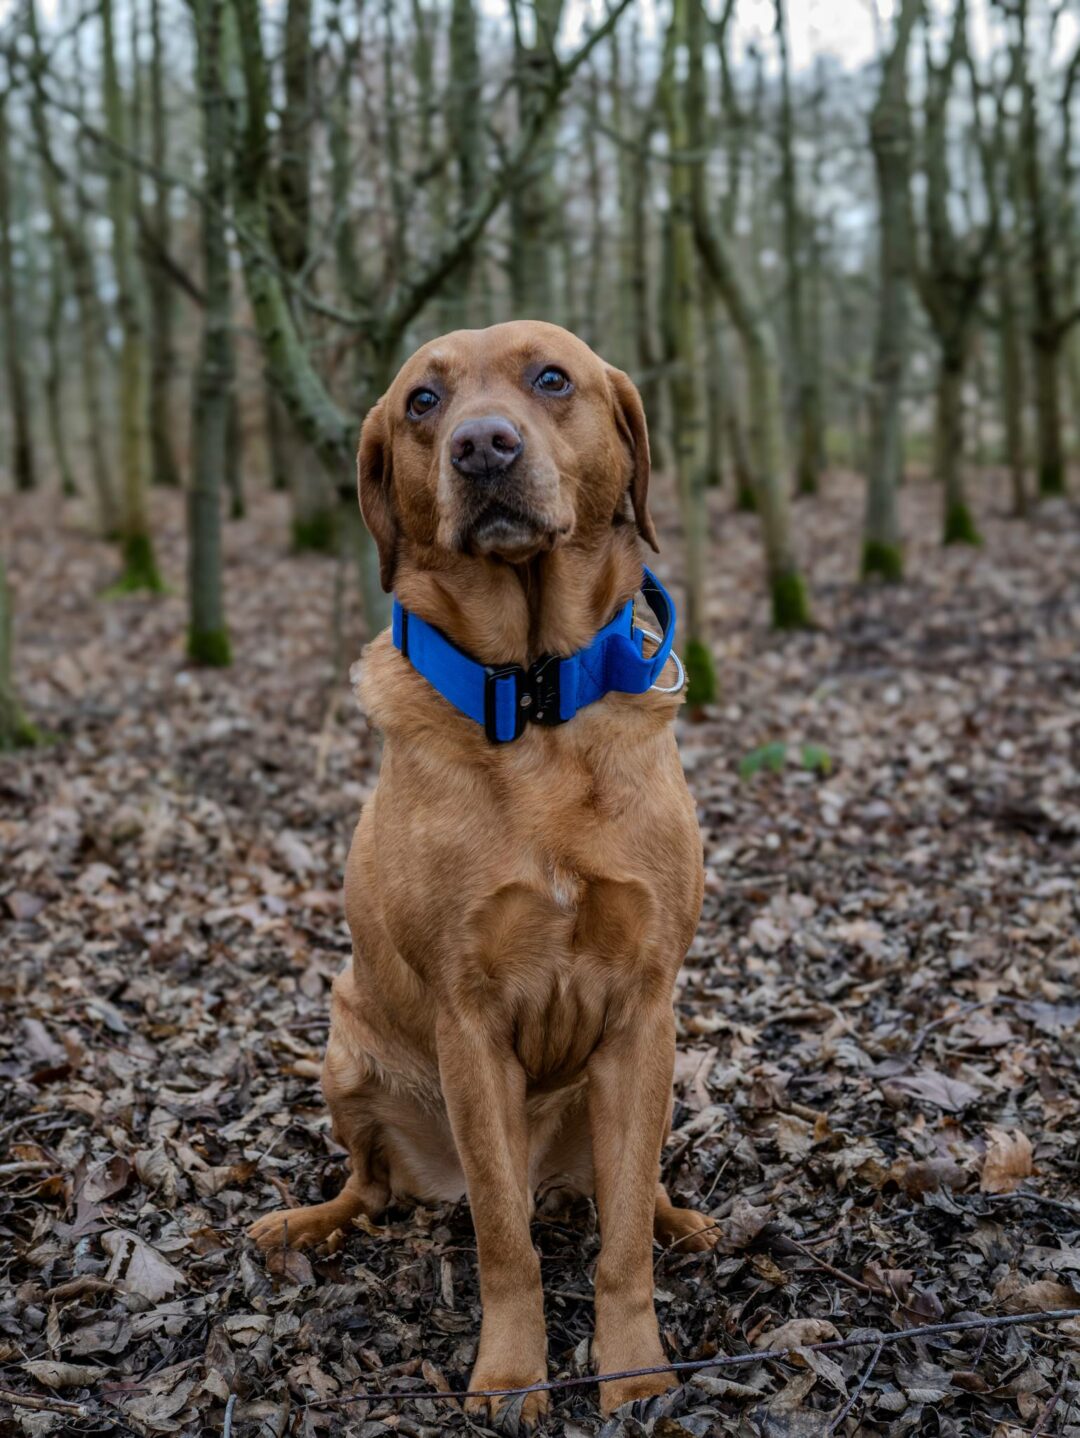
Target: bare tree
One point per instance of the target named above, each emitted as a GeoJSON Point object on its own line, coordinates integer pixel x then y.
{"type": "Point", "coordinates": [139, 565]}
{"type": "Point", "coordinates": [22, 457]}
{"type": "Point", "coordinates": [790, 605]}
{"type": "Point", "coordinates": [208, 638]}
{"type": "Point", "coordinates": [890, 143]}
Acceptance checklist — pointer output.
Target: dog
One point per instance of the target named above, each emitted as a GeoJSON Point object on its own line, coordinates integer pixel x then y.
{"type": "Point", "coordinates": [520, 901]}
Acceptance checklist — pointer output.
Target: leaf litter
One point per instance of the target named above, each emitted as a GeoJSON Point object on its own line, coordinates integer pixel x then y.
{"type": "Point", "coordinates": [878, 1092]}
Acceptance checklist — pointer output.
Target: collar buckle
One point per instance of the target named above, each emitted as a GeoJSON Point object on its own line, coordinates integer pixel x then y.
{"type": "Point", "coordinates": [536, 696]}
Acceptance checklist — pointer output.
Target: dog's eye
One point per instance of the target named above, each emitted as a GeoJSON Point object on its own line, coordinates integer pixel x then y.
{"type": "Point", "coordinates": [422, 402]}
{"type": "Point", "coordinates": [553, 381]}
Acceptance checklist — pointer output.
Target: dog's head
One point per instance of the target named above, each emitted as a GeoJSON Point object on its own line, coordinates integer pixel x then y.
{"type": "Point", "coordinates": [505, 442]}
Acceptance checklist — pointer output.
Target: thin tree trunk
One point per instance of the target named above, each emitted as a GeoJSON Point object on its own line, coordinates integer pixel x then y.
{"type": "Point", "coordinates": [1012, 384]}
{"type": "Point", "coordinates": [139, 566]}
{"type": "Point", "coordinates": [208, 637]}
{"type": "Point", "coordinates": [807, 416]}
{"type": "Point", "coordinates": [535, 224]}
{"type": "Point", "coordinates": [959, 526]}
{"type": "Point", "coordinates": [16, 731]}
{"type": "Point", "coordinates": [890, 142]}
{"type": "Point", "coordinates": [160, 288]}
{"type": "Point", "coordinates": [54, 374]}
{"type": "Point", "coordinates": [92, 348]}
{"type": "Point", "coordinates": [1046, 335]}
{"type": "Point", "coordinates": [688, 435]}
{"type": "Point", "coordinates": [790, 605]}
{"type": "Point", "coordinates": [23, 465]}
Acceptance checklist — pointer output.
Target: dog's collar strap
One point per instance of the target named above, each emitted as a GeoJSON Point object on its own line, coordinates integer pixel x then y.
{"type": "Point", "coordinates": [504, 698]}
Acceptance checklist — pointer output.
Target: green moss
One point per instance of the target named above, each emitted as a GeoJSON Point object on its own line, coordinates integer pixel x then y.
{"type": "Point", "coordinates": [959, 526]}
{"type": "Point", "coordinates": [884, 560]}
{"type": "Point", "coordinates": [700, 673]}
{"type": "Point", "coordinates": [19, 733]}
{"type": "Point", "coordinates": [790, 605]}
{"type": "Point", "coordinates": [140, 571]}
{"type": "Point", "coordinates": [1051, 479]}
{"type": "Point", "coordinates": [210, 646]}
{"type": "Point", "coordinates": [316, 533]}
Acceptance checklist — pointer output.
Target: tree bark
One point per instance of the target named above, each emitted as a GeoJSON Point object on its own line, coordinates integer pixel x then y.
{"type": "Point", "coordinates": [16, 731]}
{"type": "Point", "coordinates": [1046, 334]}
{"type": "Point", "coordinates": [72, 236]}
{"type": "Point", "coordinates": [161, 290]}
{"type": "Point", "coordinates": [208, 637]}
{"type": "Point", "coordinates": [688, 435]}
{"type": "Point", "coordinates": [808, 419]}
{"type": "Point", "coordinates": [535, 219]}
{"type": "Point", "coordinates": [23, 465]}
{"type": "Point", "coordinates": [54, 373]}
{"type": "Point", "coordinates": [790, 605]}
{"type": "Point", "coordinates": [139, 566]}
{"type": "Point", "coordinates": [890, 140]}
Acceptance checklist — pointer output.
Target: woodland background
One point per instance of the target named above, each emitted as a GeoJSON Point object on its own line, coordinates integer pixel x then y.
{"type": "Point", "coordinates": [849, 294]}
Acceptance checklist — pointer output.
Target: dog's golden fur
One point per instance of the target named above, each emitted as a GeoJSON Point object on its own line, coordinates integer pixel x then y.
{"type": "Point", "coordinates": [519, 912]}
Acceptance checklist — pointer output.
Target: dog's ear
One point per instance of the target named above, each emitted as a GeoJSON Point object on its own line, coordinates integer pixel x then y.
{"type": "Point", "coordinates": [373, 481]}
{"type": "Point", "coordinates": [630, 418]}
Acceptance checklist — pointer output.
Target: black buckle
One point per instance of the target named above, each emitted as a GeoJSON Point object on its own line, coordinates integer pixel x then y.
{"type": "Point", "coordinates": [536, 696]}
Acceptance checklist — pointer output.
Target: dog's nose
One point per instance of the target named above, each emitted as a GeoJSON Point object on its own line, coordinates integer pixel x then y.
{"type": "Point", "coordinates": [485, 447]}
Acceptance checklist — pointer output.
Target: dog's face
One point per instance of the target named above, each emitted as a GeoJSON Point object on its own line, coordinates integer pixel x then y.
{"type": "Point", "coordinates": [503, 442]}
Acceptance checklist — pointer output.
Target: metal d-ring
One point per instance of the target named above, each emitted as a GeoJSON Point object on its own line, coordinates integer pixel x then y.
{"type": "Point", "coordinates": [681, 680]}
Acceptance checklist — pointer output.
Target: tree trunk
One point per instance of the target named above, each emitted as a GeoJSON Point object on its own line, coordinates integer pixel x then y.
{"type": "Point", "coordinates": [688, 436]}
{"type": "Point", "coordinates": [959, 526]}
{"type": "Point", "coordinates": [208, 637]}
{"type": "Point", "coordinates": [1046, 336]}
{"type": "Point", "coordinates": [16, 731]}
{"type": "Point", "coordinates": [160, 287]}
{"type": "Point", "coordinates": [54, 374]}
{"type": "Point", "coordinates": [535, 219]}
{"type": "Point", "coordinates": [1012, 384]}
{"type": "Point", "coordinates": [790, 606]}
{"type": "Point", "coordinates": [22, 457]}
{"type": "Point", "coordinates": [139, 566]}
{"type": "Point", "coordinates": [72, 235]}
{"type": "Point", "coordinates": [807, 416]}
{"type": "Point", "coordinates": [890, 142]}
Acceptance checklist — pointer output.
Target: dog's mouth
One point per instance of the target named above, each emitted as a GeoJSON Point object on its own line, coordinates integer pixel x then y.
{"type": "Point", "coordinates": [510, 531]}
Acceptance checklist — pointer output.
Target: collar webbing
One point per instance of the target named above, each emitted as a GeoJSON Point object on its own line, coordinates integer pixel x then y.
{"type": "Point", "coordinates": [505, 697]}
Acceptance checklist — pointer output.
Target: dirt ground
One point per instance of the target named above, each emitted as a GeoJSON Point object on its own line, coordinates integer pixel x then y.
{"type": "Point", "coordinates": [879, 1072]}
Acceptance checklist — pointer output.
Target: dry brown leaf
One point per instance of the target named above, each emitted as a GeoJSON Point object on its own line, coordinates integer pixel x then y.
{"type": "Point", "coordinates": [138, 1268]}
{"type": "Point", "coordinates": [56, 1375]}
{"type": "Point", "coordinates": [1008, 1160]}
{"type": "Point", "coordinates": [797, 1333]}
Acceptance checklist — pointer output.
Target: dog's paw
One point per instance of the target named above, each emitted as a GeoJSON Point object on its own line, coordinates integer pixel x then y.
{"type": "Point", "coordinates": [509, 1411]}
{"type": "Point", "coordinates": [290, 1228]}
{"type": "Point", "coordinates": [685, 1230]}
{"type": "Point", "coordinates": [621, 1391]}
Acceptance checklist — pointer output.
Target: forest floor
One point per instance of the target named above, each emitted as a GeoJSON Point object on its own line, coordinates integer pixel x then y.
{"type": "Point", "coordinates": [879, 1069]}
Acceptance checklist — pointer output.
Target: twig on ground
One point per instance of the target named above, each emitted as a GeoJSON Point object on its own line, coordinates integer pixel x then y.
{"type": "Point", "coordinates": [44, 1405]}
{"type": "Point", "coordinates": [226, 1431]}
{"type": "Point", "coordinates": [1048, 1412]}
{"type": "Point", "coordinates": [837, 1273]}
{"type": "Point", "coordinates": [863, 1381]}
{"type": "Point", "coordinates": [864, 1339]}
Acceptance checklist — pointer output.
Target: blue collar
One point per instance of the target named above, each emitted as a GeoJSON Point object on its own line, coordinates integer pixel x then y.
{"type": "Point", "coordinates": [504, 697]}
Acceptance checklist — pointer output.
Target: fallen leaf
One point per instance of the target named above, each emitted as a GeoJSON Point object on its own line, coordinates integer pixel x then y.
{"type": "Point", "coordinates": [1008, 1160]}
{"type": "Point", "coordinates": [53, 1374]}
{"type": "Point", "coordinates": [136, 1267]}
{"type": "Point", "coordinates": [797, 1333]}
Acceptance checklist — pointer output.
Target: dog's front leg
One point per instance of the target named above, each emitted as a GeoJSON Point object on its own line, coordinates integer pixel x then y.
{"type": "Point", "coordinates": [484, 1087]}
{"type": "Point", "coordinates": [630, 1076]}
